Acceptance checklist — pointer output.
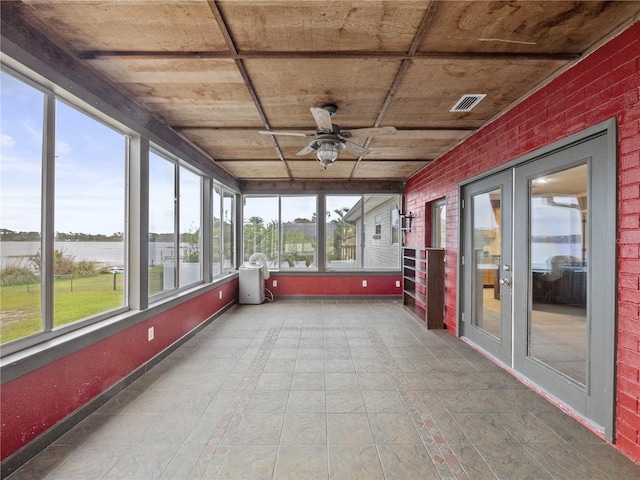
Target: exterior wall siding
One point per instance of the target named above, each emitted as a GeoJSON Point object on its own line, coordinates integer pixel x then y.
{"type": "Point", "coordinates": [380, 253]}
{"type": "Point", "coordinates": [603, 85]}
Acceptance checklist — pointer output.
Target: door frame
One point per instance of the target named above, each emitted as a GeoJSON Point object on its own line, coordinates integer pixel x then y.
{"type": "Point", "coordinates": [606, 240]}
{"type": "Point", "coordinates": [501, 349]}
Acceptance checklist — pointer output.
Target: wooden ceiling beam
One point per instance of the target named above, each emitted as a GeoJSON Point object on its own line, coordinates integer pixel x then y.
{"type": "Point", "coordinates": [417, 40]}
{"type": "Point", "coordinates": [97, 54]}
{"type": "Point", "coordinates": [415, 130]}
{"type": "Point", "coordinates": [247, 80]}
{"type": "Point", "coordinates": [333, 186]}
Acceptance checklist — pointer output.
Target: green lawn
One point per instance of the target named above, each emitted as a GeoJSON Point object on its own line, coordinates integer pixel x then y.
{"type": "Point", "coordinates": [74, 299]}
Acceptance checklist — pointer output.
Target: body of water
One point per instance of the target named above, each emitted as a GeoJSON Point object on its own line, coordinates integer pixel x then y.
{"type": "Point", "coordinates": [107, 254]}
{"type": "Point", "coordinates": [111, 254]}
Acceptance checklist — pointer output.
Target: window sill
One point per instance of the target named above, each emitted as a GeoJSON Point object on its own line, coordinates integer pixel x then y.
{"type": "Point", "coordinates": [55, 345]}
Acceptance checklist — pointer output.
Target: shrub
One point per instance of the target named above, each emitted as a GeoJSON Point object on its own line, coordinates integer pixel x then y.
{"type": "Point", "coordinates": [17, 274]}
{"type": "Point", "coordinates": [64, 264]}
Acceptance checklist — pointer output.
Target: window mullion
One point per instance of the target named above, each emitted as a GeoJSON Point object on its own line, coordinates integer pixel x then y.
{"type": "Point", "coordinates": [362, 234]}
{"type": "Point", "coordinates": [321, 235]}
{"type": "Point", "coordinates": [280, 232]}
{"type": "Point", "coordinates": [137, 234]}
{"type": "Point", "coordinates": [176, 225]}
{"type": "Point", "coordinates": [47, 264]}
{"type": "Point", "coordinates": [206, 229]}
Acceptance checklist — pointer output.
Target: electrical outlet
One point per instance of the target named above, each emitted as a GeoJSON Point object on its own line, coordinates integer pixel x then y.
{"type": "Point", "coordinates": [150, 334]}
{"type": "Point", "coordinates": [275, 283]}
{"type": "Point", "coordinates": [397, 283]}
{"type": "Point", "coordinates": [220, 294]}
{"type": "Point", "coordinates": [364, 283]}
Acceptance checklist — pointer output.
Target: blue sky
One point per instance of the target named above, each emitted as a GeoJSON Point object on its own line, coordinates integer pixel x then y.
{"type": "Point", "coordinates": [89, 169]}
{"type": "Point", "coordinates": [89, 166]}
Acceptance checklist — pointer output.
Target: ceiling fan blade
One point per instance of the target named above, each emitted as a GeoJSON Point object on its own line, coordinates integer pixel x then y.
{"type": "Point", "coordinates": [355, 148]}
{"type": "Point", "coordinates": [289, 134]}
{"type": "Point", "coordinates": [369, 132]}
{"type": "Point", "coordinates": [322, 118]}
{"type": "Point", "coordinates": [306, 150]}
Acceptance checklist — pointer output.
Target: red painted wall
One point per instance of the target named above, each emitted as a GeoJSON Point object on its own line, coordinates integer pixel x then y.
{"type": "Point", "coordinates": [33, 403]}
{"type": "Point", "coordinates": [604, 85]}
{"type": "Point", "coordinates": [319, 285]}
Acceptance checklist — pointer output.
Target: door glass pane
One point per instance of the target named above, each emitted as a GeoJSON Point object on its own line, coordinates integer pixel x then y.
{"type": "Point", "coordinates": [558, 271]}
{"type": "Point", "coordinates": [486, 261]}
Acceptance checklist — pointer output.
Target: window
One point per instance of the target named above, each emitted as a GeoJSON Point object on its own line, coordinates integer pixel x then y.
{"type": "Point", "coordinates": [21, 132]}
{"type": "Point", "coordinates": [380, 252]}
{"type": "Point", "coordinates": [260, 228]}
{"type": "Point", "coordinates": [395, 225]}
{"type": "Point", "coordinates": [174, 259]}
{"type": "Point", "coordinates": [298, 223]}
{"type": "Point", "coordinates": [342, 213]}
{"type": "Point", "coordinates": [439, 223]}
{"type": "Point", "coordinates": [223, 240]}
{"type": "Point", "coordinates": [228, 230]}
{"type": "Point", "coordinates": [67, 265]}
{"type": "Point", "coordinates": [359, 232]}
{"type": "Point", "coordinates": [162, 184]}
{"type": "Point", "coordinates": [89, 206]}
{"type": "Point", "coordinates": [216, 234]}
{"type": "Point", "coordinates": [190, 208]}
{"type": "Point", "coordinates": [282, 228]}
{"type": "Point", "coordinates": [378, 225]}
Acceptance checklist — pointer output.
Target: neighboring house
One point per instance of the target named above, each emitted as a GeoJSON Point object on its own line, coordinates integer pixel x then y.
{"type": "Point", "coordinates": [381, 235]}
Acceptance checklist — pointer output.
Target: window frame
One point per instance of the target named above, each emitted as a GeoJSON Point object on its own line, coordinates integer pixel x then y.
{"type": "Point", "coordinates": [279, 260]}
{"type": "Point", "coordinates": [436, 224]}
{"type": "Point", "coordinates": [51, 95]}
{"type": "Point", "coordinates": [138, 304]}
{"type": "Point", "coordinates": [177, 165]}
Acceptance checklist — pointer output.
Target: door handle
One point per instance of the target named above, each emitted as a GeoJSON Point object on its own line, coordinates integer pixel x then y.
{"type": "Point", "coordinates": [505, 281]}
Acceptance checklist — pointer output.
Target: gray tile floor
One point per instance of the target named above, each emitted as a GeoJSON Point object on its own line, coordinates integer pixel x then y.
{"type": "Point", "coordinates": [327, 390]}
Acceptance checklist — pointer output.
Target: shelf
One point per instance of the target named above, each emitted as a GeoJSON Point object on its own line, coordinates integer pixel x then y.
{"type": "Point", "coordinates": [417, 296]}
{"type": "Point", "coordinates": [423, 284]}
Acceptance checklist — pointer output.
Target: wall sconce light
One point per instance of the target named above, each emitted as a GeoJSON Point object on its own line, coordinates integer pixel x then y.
{"type": "Point", "coordinates": [407, 220]}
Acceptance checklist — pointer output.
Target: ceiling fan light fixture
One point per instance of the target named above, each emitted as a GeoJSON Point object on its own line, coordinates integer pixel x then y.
{"type": "Point", "coordinates": [327, 153]}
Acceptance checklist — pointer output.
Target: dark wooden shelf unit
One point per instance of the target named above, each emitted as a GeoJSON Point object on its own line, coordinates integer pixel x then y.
{"type": "Point", "coordinates": [423, 284]}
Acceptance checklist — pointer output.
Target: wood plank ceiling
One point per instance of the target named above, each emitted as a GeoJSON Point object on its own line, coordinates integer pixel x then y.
{"type": "Point", "coordinates": [217, 72]}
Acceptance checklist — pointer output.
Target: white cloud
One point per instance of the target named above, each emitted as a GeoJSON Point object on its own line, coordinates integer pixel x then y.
{"type": "Point", "coordinates": [6, 140]}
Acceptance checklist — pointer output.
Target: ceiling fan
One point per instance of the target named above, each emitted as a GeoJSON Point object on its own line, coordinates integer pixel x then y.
{"type": "Point", "coordinates": [329, 140]}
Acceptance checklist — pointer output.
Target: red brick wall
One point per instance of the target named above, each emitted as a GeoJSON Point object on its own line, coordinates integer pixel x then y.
{"type": "Point", "coordinates": [327, 285]}
{"type": "Point", "coordinates": [604, 85]}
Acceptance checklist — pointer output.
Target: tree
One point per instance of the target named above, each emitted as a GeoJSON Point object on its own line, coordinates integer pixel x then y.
{"type": "Point", "coordinates": [343, 232]}
{"type": "Point", "coordinates": [252, 234]}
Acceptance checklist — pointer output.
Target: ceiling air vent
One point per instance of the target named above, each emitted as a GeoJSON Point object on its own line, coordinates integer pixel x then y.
{"type": "Point", "coordinates": [467, 102]}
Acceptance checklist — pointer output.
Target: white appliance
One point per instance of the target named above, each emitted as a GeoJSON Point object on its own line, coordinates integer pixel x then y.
{"type": "Point", "coordinates": [251, 285]}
